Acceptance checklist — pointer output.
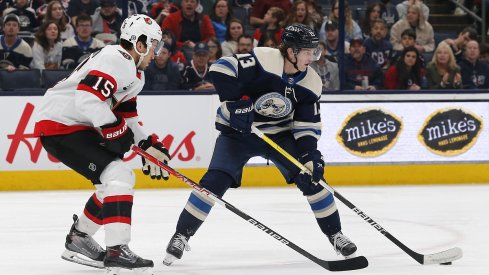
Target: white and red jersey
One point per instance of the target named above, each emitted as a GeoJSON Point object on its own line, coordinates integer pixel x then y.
{"type": "Point", "coordinates": [85, 99]}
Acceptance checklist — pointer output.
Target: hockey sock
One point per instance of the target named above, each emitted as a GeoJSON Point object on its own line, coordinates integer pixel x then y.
{"type": "Point", "coordinates": [91, 219]}
{"type": "Point", "coordinates": [324, 209]}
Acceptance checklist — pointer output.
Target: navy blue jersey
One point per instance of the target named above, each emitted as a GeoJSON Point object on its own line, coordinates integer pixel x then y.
{"type": "Point", "coordinates": [281, 102]}
{"type": "Point", "coordinates": [379, 51]}
{"type": "Point", "coordinates": [474, 76]}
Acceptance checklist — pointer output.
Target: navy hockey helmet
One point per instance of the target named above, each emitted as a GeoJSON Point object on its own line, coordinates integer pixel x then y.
{"type": "Point", "coordinates": [299, 36]}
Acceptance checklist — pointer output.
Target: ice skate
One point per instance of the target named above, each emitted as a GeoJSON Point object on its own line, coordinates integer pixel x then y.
{"type": "Point", "coordinates": [343, 245]}
{"type": "Point", "coordinates": [178, 243]}
{"type": "Point", "coordinates": [120, 256]}
{"type": "Point", "coordinates": [82, 248]}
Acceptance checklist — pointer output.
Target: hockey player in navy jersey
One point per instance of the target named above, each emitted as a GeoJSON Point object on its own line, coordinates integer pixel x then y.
{"type": "Point", "coordinates": [276, 91]}
{"type": "Point", "coordinates": [88, 121]}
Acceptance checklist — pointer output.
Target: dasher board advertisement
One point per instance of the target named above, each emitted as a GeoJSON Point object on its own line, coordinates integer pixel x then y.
{"type": "Point", "coordinates": [405, 132]}
{"type": "Point", "coordinates": [184, 123]}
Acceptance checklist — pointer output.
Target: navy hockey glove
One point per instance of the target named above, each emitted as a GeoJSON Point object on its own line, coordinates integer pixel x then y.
{"type": "Point", "coordinates": [118, 137]}
{"type": "Point", "coordinates": [313, 161]}
{"type": "Point", "coordinates": [153, 147]}
{"type": "Point", "coordinates": [241, 115]}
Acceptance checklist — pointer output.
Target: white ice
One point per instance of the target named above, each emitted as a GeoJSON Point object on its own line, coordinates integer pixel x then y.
{"type": "Point", "coordinates": [427, 219]}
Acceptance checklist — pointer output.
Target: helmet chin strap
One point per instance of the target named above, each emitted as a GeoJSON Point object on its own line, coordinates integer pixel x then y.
{"type": "Point", "coordinates": [141, 55]}
{"type": "Point", "coordinates": [293, 62]}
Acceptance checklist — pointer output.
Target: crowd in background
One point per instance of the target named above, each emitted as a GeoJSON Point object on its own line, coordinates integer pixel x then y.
{"type": "Point", "coordinates": [391, 47]}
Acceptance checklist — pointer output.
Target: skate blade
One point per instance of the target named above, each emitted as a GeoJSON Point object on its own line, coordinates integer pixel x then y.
{"type": "Point", "coordinates": [137, 271]}
{"type": "Point", "coordinates": [353, 255]}
{"type": "Point", "coordinates": [169, 259]}
{"type": "Point", "coordinates": [74, 257]}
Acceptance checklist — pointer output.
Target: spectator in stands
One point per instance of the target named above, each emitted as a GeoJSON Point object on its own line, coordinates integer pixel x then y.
{"type": "Point", "coordinates": [215, 50]}
{"type": "Point", "coordinates": [372, 14]}
{"type": "Point", "coordinates": [4, 5]}
{"type": "Point", "coordinates": [327, 70]}
{"type": "Point", "coordinates": [402, 8]}
{"type": "Point", "coordinates": [161, 9]}
{"type": "Point", "coordinates": [458, 44]}
{"type": "Point", "coordinates": [133, 6]}
{"type": "Point", "coordinates": [408, 39]}
{"type": "Point", "coordinates": [189, 27]}
{"type": "Point", "coordinates": [107, 19]}
{"type": "Point", "coordinates": [484, 57]}
{"type": "Point", "coordinates": [332, 36]}
{"type": "Point", "coordinates": [271, 25]}
{"type": "Point", "coordinates": [407, 73]}
{"type": "Point", "coordinates": [78, 7]}
{"type": "Point", "coordinates": [162, 73]}
{"type": "Point", "coordinates": [245, 44]}
{"type": "Point", "coordinates": [27, 15]}
{"type": "Point", "coordinates": [425, 37]}
{"type": "Point", "coordinates": [15, 52]}
{"type": "Point", "coordinates": [221, 16]}
{"type": "Point", "coordinates": [389, 13]}
{"type": "Point", "coordinates": [442, 72]}
{"type": "Point", "coordinates": [362, 72]}
{"type": "Point", "coordinates": [56, 12]}
{"type": "Point", "coordinates": [267, 40]}
{"type": "Point", "coordinates": [260, 8]}
{"type": "Point", "coordinates": [195, 75]}
{"type": "Point", "coordinates": [175, 54]}
{"type": "Point", "coordinates": [79, 46]}
{"type": "Point", "coordinates": [47, 49]}
{"type": "Point", "coordinates": [299, 14]}
{"type": "Point", "coordinates": [475, 73]}
{"type": "Point", "coordinates": [352, 29]}
{"type": "Point", "coordinates": [233, 32]}
{"type": "Point", "coordinates": [377, 46]}
{"type": "Point", "coordinates": [314, 13]}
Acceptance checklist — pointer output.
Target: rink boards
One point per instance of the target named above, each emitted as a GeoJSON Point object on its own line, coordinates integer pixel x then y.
{"type": "Point", "coordinates": [380, 139]}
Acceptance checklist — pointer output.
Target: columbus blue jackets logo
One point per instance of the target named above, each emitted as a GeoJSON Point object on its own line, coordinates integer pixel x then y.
{"type": "Point", "coordinates": [273, 105]}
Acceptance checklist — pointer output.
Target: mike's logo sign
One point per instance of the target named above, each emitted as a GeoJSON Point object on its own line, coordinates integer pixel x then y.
{"type": "Point", "coordinates": [369, 133]}
{"type": "Point", "coordinates": [450, 132]}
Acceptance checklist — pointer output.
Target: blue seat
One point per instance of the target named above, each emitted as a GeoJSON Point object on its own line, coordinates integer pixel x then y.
{"type": "Point", "coordinates": [51, 77]}
{"type": "Point", "coordinates": [20, 79]}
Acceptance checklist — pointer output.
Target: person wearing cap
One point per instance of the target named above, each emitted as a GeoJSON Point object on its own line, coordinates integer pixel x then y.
{"type": "Point", "coordinates": [162, 73]}
{"type": "Point", "coordinates": [332, 35]}
{"type": "Point", "coordinates": [362, 72]}
{"type": "Point", "coordinates": [195, 74]}
{"type": "Point", "coordinates": [189, 26]}
{"type": "Point", "coordinates": [14, 51]}
{"type": "Point", "coordinates": [78, 7]}
{"type": "Point", "coordinates": [107, 19]}
{"type": "Point", "coordinates": [27, 16]}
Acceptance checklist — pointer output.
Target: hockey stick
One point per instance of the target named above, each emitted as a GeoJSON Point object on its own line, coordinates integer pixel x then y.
{"type": "Point", "coordinates": [340, 265]}
{"type": "Point", "coordinates": [446, 256]}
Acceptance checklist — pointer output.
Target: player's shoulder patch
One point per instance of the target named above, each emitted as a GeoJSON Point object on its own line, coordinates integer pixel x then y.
{"type": "Point", "coordinates": [312, 82]}
{"type": "Point", "coordinates": [125, 55]}
{"type": "Point", "coordinates": [270, 59]}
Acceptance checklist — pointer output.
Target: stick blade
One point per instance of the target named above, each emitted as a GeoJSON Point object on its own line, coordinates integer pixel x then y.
{"type": "Point", "coordinates": [345, 265]}
{"type": "Point", "coordinates": [446, 256]}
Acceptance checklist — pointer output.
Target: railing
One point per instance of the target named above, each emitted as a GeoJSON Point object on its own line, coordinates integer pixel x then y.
{"type": "Point", "coordinates": [482, 19]}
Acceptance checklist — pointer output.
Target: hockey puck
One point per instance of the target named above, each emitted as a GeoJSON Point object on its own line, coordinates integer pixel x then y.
{"type": "Point", "coordinates": [447, 263]}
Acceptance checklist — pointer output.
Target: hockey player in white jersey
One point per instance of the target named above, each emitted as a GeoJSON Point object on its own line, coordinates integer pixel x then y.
{"type": "Point", "coordinates": [88, 121]}
{"type": "Point", "coordinates": [276, 91]}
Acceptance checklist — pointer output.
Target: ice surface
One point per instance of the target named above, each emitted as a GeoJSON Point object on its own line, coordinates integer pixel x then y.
{"type": "Point", "coordinates": [426, 218]}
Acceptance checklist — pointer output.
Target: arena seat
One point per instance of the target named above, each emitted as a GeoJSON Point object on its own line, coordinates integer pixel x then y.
{"type": "Point", "coordinates": [20, 79]}
{"type": "Point", "coordinates": [51, 77]}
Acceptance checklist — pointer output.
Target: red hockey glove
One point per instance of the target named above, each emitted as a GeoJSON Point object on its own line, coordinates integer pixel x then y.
{"type": "Point", "coordinates": [153, 147]}
{"type": "Point", "coordinates": [118, 137]}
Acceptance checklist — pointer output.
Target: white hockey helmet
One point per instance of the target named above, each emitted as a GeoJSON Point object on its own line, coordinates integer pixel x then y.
{"type": "Point", "coordinates": [139, 24]}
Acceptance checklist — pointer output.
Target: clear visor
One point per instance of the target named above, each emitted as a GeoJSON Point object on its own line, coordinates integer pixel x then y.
{"type": "Point", "coordinates": [157, 46]}
{"type": "Point", "coordinates": [310, 54]}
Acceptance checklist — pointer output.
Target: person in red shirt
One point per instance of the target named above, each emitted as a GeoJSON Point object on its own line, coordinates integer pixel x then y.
{"type": "Point", "coordinates": [406, 73]}
{"type": "Point", "coordinates": [260, 8]}
{"type": "Point", "coordinates": [189, 27]}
